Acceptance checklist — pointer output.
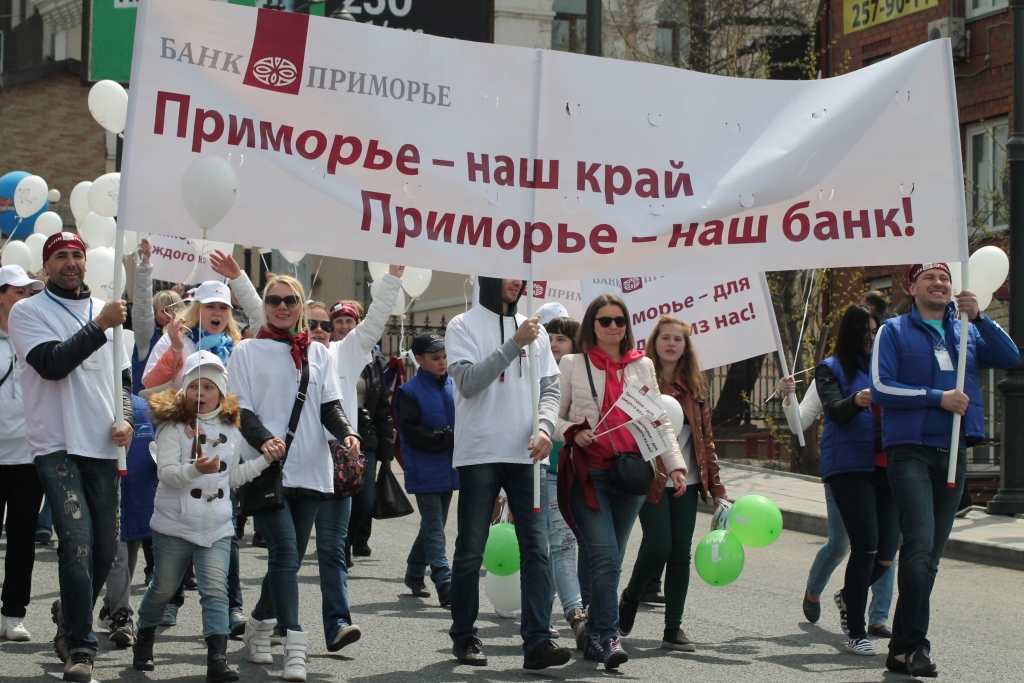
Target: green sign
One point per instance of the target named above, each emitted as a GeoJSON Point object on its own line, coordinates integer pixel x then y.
{"type": "Point", "coordinates": [109, 27]}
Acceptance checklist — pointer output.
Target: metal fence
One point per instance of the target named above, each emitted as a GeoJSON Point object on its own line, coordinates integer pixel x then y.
{"type": "Point", "coordinates": [398, 336]}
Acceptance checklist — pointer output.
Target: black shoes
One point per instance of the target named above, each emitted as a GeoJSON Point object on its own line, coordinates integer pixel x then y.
{"type": "Point", "coordinates": [142, 652]}
{"type": "Point", "coordinates": [417, 586]}
{"type": "Point", "coordinates": [361, 550]}
{"type": "Point", "coordinates": [920, 664]}
{"type": "Point", "coordinates": [190, 579]}
{"type": "Point", "coordinates": [257, 540]}
{"type": "Point", "coordinates": [880, 631]}
{"type": "Point", "coordinates": [469, 651]}
{"type": "Point", "coordinates": [653, 597]}
{"type": "Point", "coordinates": [546, 654]}
{"type": "Point", "coordinates": [812, 610]}
{"type": "Point", "coordinates": [627, 614]}
{"type": "Point", "coordinates": [444, 594]}
{"type": "Point", "coordinates": [895, 665]}
{"type": "Point", "coordinates": [217, 669]}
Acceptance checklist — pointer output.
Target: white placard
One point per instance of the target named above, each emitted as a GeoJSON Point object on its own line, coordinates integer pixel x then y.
{"type": "Point", "coordinates": [174, 260]}
{"type": "Point", "coordinates": [651, 437]}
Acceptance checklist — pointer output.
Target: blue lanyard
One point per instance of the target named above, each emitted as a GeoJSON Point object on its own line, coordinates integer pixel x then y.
{"type": "Point", "coordinates": [68, 310]}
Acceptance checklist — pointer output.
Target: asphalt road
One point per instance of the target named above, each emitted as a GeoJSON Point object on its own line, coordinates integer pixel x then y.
{"type": "Point", "coordinates": [751, 631]}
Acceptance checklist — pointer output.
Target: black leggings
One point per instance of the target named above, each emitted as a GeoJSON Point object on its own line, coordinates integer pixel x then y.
{"type": "Point", "coordinates": [869, 515]}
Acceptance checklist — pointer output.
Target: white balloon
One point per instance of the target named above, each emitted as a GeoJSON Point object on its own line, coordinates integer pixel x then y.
{"type": "Point", "coordinates": [206, 247]}
{"type": "Point", "coordinates": [504, 592]}
{"type": "Point", "coordinates": [80, 200]}
{"type": "Point", "coordinates": [16, 253]}
{"type": "Point", "coordinates": [131, 242]}
{"type": "Point", "coordinates": [35, 243]}
{"type": "Point", "coordinates": [49, 223]}
{"type": "Point", "coordinates": [984, 300]}
{"type": "Point", "coordinates": [108, 104]}
{"type": "Point", "coordinates": [377, 270]}
{"type": "Point", "coordinates": [99, 273]}
{"type": "Point", "coordinates": [399, 307]}
{"type": "Point", "coordinates": [292, 257]}
{"type": "Point", "coordinates": [675, 413]}
{"type": "Point", "coordinates": [98, 231]}
{"type": "Point", "coordinates": [104, 193]}
{"type": "Point", "coordinates": [53, 195]}
{"type": "Point", "coordinates": [30, 196]}
{"type": "Point", "coordinates": [415, 281]}
{"type": "Point", "coordinates": [989, 268]}
{"type": "Point", "coordinates": [955, 276]}
{"type": "Point", "coordinates": [208, 189]}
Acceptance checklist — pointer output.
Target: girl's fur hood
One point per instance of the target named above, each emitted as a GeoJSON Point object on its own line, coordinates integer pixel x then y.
{"type": "Point", "coordinates": [171, 406]}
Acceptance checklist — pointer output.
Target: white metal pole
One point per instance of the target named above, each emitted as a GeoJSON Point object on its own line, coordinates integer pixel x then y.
{"type": "Point", "coordinates": [122, 461]}
{"type": "Point", "coordinates": [961, 370]}
{"type": "Point", "coordinates": [792, 409]}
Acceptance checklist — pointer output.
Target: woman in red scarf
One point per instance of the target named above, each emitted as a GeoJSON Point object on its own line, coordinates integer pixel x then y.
{"type": "Point", "coordinates": [603, 514]}
{"type": "Point", "coordinates": [265, 374]}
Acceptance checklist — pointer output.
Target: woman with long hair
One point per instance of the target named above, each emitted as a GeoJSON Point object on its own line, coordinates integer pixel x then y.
{"type": "Point", "coordinates": [853, 465]}
{"type": "Point", "coordinates": [668, 521]}
{"type": "Point", "coordinates": [603, 505]}
{"type": "Point", "coordinates": [265, 373]}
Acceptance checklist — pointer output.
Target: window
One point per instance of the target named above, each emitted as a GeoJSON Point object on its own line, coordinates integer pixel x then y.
{"type": "Point", "coordinates": [569, 27]}
{"type": "Point", "coordinates": [987, 182]}
{"type": "Point", "coordinates": [672, 37]}
{"type": "Point", "coordinates": [978, 8]}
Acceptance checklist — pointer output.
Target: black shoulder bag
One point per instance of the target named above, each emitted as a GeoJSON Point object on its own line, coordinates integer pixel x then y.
{"type": "Point", "coordinates": [630, 473]}
{"type": "Point", "coordinates": [265, 493]}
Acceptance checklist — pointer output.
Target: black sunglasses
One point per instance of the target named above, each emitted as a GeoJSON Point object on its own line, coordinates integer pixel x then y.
{"type": "Point", "coordinates": [291, 301]}
{"type": "Point", "coordinates": [605, 321]}
{"type": "Point", "coordinates": [325, 325]}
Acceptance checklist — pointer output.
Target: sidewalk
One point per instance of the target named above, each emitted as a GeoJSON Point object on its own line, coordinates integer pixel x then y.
{"type": "Point", "coordinates": [981, 538]}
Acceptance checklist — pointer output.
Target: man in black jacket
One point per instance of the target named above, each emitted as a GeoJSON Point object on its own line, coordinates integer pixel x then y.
{"type": "Point", "coordinates": [67, 377]}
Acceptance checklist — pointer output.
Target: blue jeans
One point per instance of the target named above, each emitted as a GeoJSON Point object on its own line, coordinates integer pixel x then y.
{"type": "Point", "coordinates": [286, 532]}
{"type": "Point", "coordinates": [428, 550]}
{"type": "Point", "coordinates": [84, 494]}
{"type": "Point", "coordinates": [562, 550]}
{"type": "Point", "coordinates": [833, 552]}
{"type": "Point", "coordinates": [172, 556]}
{"type": "Point", "coordinates": [605, 533]}
{"type": "Point", "coordinates": [332, 526]}
{"type": "Point", "coordinates": [234, 580]}
{"type": "Point", "coordinates": [362, 502]}
{"type": "Point", "coordinates": [44, 523]}
{"type": "Point", "coordinates": [917, 477]}
{"type": "Point", "coordinates": [478, 489]}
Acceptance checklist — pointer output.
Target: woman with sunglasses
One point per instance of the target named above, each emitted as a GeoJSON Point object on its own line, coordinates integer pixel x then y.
{"type": "Point", "coordinates": [265, 374]}
{"type": "Point", "coordinates": [602, 511]}
{"type": "Point", "coordinates": [853, 465]}
{"type": "Point", "coordinates": [668, 521]}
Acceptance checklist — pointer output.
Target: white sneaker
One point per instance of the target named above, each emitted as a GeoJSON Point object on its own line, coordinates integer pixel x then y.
{"type": "Point", "coordinates": [13, 628]}
{"type": "Point", "coordinates": [257, 639]}
{"type": "Point", "coordinates": [861, 646]}
{"type": "Point", "coordinates": [295, 644]}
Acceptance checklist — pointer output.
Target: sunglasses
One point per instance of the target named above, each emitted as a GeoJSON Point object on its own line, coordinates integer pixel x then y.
{"type": "Point", "coordinates": [325, 325]}
{"type": "Point", "coordinates": [605, 321]}
{"type": "Point", "coordinates": [273, 301]}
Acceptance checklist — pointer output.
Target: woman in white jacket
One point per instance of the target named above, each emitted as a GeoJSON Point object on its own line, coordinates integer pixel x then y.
{"type": "Point", "coordinates": [602, 511]}
{"type": "Point", "coordinates": [197, 447]}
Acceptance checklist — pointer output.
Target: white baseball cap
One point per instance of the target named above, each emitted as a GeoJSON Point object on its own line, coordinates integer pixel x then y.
{"type": "Point", "coordinates": [550, 311]}
{"type": "Point", "coordinates": [203, 364]}
{"type": "Point", "coordinates": [211, 292]}
{"type": "Point", "coordinates": [15, 276]}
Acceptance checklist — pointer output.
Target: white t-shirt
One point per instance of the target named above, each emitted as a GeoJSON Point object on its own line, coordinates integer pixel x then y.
{"type": "Point", "coordinates": [496, 424]}
{"type": "Point", "coordinates": [74, 414]}
{"type": "Point", "coordinates": [263, 375]}
{"type": "Point", "coordinates": [13, 445]}
{"type": "Point", "coordinates": [686, 448]}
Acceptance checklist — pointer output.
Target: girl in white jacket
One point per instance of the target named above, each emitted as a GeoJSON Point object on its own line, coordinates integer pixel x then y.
{"type": "Point", "coordinates": [197, 452]}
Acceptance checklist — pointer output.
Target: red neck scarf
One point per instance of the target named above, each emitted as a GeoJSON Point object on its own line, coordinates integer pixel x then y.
{"type": "Point", "coordinates": [299, 342]}
{"type": "Point", "coordinates": [613, 372]}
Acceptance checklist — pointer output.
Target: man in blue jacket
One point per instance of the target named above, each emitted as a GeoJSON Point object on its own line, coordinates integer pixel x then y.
{"type": "Point", "coordinates": [913, 378]}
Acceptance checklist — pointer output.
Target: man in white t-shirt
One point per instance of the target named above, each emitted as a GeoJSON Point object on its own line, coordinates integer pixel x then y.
{"type": "Point", "coordinates": [494, 450]}
{"type": "Point", "coordinates": [67, 379]}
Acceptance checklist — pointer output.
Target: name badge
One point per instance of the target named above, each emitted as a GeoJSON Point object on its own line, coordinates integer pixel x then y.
{"type": "Point", "coordinates": [945, 362]}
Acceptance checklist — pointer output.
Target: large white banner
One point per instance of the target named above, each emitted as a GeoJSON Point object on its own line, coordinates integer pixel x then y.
{"type": "Point", "coordinates": [175, 260]}
{"type": "Point", "coordinates": [728, 315]}
{"type": "Point", "coordinates": [369, 143]}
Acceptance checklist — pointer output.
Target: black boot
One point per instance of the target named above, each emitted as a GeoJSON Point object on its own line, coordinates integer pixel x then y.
{"type": "Point", "coordinates": [142, 651]}
{"type": "Point", "coordinates": [217, 669]}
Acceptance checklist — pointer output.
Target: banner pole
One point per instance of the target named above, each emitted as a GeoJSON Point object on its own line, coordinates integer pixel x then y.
{"type": "Point", "coordinates": [122, 462]}
{"type": "Point", "coordinates": [961, 371]}
{"type": "Point", "coordinates": [792, 409]}
{"type": "Point", "coordinates": [534, 394]}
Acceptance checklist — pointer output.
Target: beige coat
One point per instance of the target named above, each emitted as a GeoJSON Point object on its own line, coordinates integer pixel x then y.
{"type": "Point", "coordinates": [577, 402]}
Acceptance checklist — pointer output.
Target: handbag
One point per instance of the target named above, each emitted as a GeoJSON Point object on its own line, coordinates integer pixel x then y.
{"type": "Point", "coordinates": [265, 493]}
{"type": "Point", "coordinates": [629, 473]}
{"type": "Point", "coordinates": [391, 499]}
{"type": "Point", "coordinates": [349, 470]}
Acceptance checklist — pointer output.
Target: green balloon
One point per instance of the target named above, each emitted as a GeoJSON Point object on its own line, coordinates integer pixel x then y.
{"type": "Point", "coordinates": [501, 554]}
{"type": "Point", "coordinates": [755, 520]}
{"type": "Point", "coordinates": [719, 558]}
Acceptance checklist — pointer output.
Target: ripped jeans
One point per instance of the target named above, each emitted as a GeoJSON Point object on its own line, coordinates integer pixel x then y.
{"type": "Point", "coordinates": [84, 495]}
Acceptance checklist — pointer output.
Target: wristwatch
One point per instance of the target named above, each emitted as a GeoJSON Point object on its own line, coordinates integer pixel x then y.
{"type": "Point", "coordinates": [979, 317]}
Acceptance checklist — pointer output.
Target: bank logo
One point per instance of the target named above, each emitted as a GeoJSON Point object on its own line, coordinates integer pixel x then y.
{"type": "Point", "coordinates": [276, 72]}
{"type": "Point", "coordinates": [540, 289]}
{"type": "Point", "coordinates": [631, 284]}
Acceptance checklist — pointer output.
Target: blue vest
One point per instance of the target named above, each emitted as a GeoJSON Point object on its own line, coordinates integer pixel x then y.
{"type": "Point", "coordinates": [848, 447]}
{"type": "Point", "coordinates": [138, 489]}
{"type": "Point", "coordinates": [428, 471]}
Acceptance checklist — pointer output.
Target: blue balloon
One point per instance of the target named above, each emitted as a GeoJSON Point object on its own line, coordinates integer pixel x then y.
{"type": "Point", "coordinates": [10, 223]}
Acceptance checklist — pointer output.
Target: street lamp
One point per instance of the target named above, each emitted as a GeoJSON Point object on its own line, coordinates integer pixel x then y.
{"type": "Point", "coordinates": [1010, 498]}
